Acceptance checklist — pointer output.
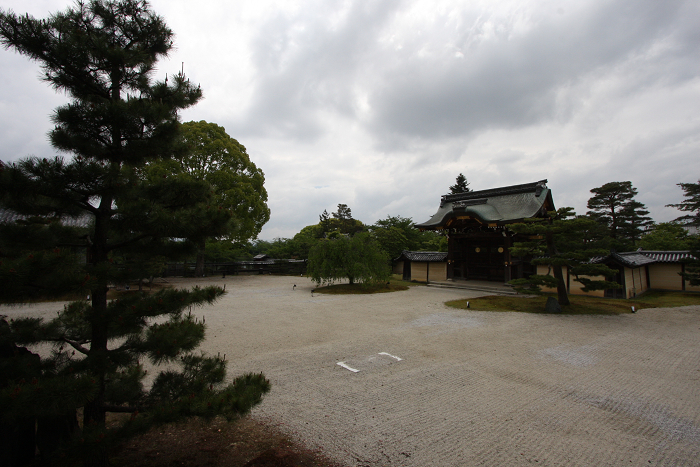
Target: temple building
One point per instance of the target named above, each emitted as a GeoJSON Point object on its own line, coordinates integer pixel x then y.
{"type": "Point", "coordinates": [475, 223]}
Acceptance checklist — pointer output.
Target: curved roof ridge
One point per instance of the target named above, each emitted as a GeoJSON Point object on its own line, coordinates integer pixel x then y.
{"type": "Point", "coordinates": [506, 190]}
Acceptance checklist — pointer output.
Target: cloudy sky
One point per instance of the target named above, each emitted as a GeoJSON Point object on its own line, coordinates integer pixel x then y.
{"type": "Point", "coordinates": [380, 104]}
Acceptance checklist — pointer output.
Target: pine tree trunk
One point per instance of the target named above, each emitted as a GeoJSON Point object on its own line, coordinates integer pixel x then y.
{"type": "Point", "coordinates": [562, 293]}
{"type": "Point", "coordinates": [94, 412]}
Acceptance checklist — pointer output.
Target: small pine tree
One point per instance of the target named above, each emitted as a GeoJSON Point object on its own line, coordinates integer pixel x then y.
{"type": "Point", "coordinates": [562, 240]}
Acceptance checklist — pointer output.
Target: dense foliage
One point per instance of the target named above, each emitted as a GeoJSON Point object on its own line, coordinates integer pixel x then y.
{"type": "Point", "coordinates": [562, 240]}
{"type": "Point", "coordinates": [238, 185]}
{"type": "Point", "coordinates": [358, 259]}
{"type": "Point", "coordinates": [666, 236]}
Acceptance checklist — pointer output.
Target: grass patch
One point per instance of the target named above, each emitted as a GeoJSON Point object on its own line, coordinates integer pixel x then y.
{"type": "Point", "coordinates": [580, 305]}
{"type": "Point", "coordinates": [348, 289]}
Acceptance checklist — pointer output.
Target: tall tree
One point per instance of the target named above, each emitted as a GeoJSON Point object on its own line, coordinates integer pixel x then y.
{"type": "Point", "coordinates": [691, 204]}
{"type": "Point", "coordinates": [216, 158]}
{"type": "Point", "coordinates": [102, 53]}
{"type": "Point", "coordinates": [461, 185]}
{"type": "Point", "coordinates": [614, 206]}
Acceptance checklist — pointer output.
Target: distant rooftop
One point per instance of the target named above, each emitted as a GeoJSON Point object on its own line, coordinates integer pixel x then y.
{"type": "Point", "coordinates": [423, 256]}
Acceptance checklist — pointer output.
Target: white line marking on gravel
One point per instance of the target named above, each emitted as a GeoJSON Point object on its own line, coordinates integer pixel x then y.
{"type": "Point", "coordinates": [347, 367]}
{"type": "Point", "coordinates": [398, 359]}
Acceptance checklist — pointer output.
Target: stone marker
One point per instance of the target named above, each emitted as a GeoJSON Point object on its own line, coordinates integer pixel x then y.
{"type": "Point", "coordinates": [552, 305]}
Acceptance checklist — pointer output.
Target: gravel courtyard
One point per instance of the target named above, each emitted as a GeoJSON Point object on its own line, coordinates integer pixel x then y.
{"type": "Point", "coordinates": [400, 379]}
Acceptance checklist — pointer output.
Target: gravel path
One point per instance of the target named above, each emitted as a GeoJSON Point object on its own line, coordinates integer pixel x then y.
{"type": "Point", "coordinates": [443, 387]}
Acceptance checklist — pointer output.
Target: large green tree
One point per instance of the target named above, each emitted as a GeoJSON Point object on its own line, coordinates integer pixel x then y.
{"type": "Point", "coordinates": [238, 185]}
{"type": "Point", "coordinates": [614, 206]}
{"type": "Point", "coordinates": [397, 233]}
{"type": "Point", "coordinates": [358, 258]}
{"type": "Point", "coordinates": [562, 240]}
{"type": "Point", "coordinates": [101, 54]}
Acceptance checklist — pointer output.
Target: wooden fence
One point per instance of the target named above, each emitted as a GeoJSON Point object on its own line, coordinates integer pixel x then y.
{"type": "Point", "coordinates": [278, 266]}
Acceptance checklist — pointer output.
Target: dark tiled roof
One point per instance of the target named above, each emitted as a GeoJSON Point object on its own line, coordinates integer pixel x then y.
{"type": "Point", "coordinates": [423, 256]}
{"type": "Point", "coordinates": [497, 205]}
{"type": "Point", "coordinates": [632, 259]}
{"type": "Point", "coordinates": [666, 256]}
{"type": "Point", "coordinates": [635, 259]}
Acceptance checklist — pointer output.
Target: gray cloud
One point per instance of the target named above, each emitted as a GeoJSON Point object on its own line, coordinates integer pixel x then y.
{"type": "Point", "coordinates": [305, 65]}
{"type": "Point", "coordinates": [517, 79]}
{"type": "Point", "coordinates": [380, 104]}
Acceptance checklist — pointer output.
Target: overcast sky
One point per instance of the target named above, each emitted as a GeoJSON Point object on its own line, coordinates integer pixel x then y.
{"type": "Point", "coordinates": [380, 104]}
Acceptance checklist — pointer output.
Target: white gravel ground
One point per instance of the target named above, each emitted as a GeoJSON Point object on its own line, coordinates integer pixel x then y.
{"type": "Point", "coordinates": [444, 387]}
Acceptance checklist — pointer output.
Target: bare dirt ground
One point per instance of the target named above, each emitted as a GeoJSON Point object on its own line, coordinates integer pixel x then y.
{"type": "Point", "coordinates": [438, 386]}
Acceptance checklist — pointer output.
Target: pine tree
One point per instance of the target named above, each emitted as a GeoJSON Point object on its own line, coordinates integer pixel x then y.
{"type": "Point", "coordinates": [691, 204]}
{"type": "Point", "coordinates": [92, 221]}
{"type": "Point", "coordinates": [562, 240]}
{"type": "Point", "coordinates": [461, 185]}
{"type": "Point", "coordinates": [324, 221]}
{"type": "Point", "coordinates": [614, 206]}
{"type": "Point", "coordinates": [344, 221]}
{"type": "Point", "coordinates": [634, 221]}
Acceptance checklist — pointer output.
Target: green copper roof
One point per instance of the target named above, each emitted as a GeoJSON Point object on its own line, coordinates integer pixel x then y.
{"type": "Point", "coordinates": [495, 206]}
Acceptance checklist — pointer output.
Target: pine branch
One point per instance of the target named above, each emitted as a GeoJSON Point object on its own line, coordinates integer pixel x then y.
{"type": "Point", "coordinates": [75, 345]}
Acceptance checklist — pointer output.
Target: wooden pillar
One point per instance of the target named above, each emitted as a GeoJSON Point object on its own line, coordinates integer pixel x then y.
{"type": "Point", "coordinates": [507, 259]}
{"type": "Point", "coordinates": [450, 257]}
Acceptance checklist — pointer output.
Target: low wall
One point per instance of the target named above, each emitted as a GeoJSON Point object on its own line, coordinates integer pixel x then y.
{"type": "Point", "coordinates": [424, 271]}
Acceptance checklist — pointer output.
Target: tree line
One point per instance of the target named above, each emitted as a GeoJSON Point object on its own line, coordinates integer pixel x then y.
{"type": "Point", "coordinates": [615, 222]}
